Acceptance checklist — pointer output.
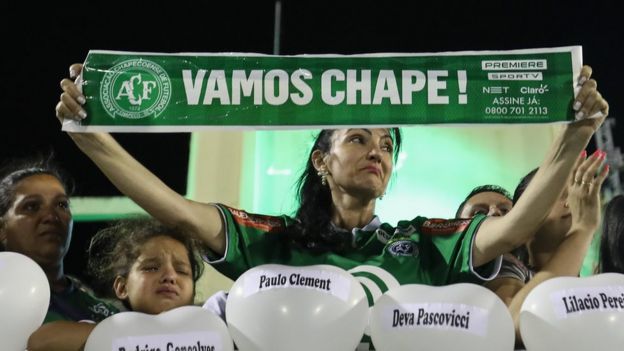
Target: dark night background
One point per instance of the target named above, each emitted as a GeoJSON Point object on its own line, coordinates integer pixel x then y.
{"type": "Point", "coordinates": [38, 46]}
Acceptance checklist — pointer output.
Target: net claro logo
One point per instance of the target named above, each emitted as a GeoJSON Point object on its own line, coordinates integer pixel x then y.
{"type": "Point", "coordinates": [135, 89]}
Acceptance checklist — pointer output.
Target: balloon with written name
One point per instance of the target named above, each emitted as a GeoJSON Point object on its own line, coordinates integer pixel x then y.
{"type": "Point", "coordinates": [282, 308]}
{"type": "Point", "coordinates": [183, 328]}
{"type": "Point", "coordinates": [24, 299]}
{"type": "Point", "coordinates": [464, 317]}
{"type": "Point", "coordinates": [575, 314]}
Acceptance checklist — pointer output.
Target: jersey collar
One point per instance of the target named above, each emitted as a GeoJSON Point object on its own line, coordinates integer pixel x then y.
{"type": "Point", "coordinates": [356, 233]}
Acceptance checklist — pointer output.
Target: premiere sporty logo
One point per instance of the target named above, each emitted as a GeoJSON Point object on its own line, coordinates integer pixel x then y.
{"type": "Point", "coordinates": [135, 89]}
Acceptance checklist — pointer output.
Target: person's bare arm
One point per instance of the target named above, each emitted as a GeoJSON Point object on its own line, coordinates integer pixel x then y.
{"type": "Point", "coordinates": [505, 288]}
{"type": "Point", "coordinates": [136, 181]}
{"type": "Point", "coordinates": [60, 336]}
{"type": "Point", "coordinates": [567, 259]}
{"type": "Point", "coordinates": [498, 235]}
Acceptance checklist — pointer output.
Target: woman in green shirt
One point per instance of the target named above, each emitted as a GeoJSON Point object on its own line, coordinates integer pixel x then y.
{"type": "Point", "coordinates": [347, 171]}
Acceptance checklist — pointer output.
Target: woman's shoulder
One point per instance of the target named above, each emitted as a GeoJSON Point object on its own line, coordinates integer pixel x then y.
{"type": "Point", "coordinates": [514, 268]}
{"type": "Point", "coordinates": [434, 226]}
{"type": "Point", "coordinates": [99, 305]}
{"type": "Point", "coordinates": [78, 302]}
{"type": "Point", "coordinates": [262, 222]}
{"type": "Point", "coordinates": [216, 303]}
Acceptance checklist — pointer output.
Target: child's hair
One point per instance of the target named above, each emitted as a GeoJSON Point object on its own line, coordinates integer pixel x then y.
{"type": "Point", "coordinates": [113, 251]}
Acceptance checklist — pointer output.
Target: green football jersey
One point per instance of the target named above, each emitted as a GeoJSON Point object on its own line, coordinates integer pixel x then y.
{"type": "Point", "coordinates": [420, 251]}
{"type": "Point", "coordinates": [77, 303]}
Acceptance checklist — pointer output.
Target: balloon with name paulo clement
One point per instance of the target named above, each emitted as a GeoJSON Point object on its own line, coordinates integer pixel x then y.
{"type": "Point", "coordinates": [283, 308]}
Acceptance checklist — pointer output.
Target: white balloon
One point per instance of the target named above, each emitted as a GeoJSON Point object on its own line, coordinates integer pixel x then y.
{"type": "Point", "coordinates": [24, 299]}
{"type": "Point", "coordinates": [465, 317]}
{"type": "Point", "coordinates": [575, 314]}
{"type": "Point", "coordinates": [183, 328]}
{"type": "Point", "coordinates": [282, 308]}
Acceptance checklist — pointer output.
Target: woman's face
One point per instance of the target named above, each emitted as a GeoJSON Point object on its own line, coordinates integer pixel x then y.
{"type": "Point", "coordinates": [160, 279]}
{"type": "Point", "coordinates": [39, 222]}
{"type": "Point", "coordinates": [489, 203]}
{"type": "Point", "coordinates": [359, 161]}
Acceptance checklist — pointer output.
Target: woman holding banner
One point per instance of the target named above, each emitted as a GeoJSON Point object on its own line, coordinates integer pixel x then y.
{"type": "Point", "coordinates": [347, 171]}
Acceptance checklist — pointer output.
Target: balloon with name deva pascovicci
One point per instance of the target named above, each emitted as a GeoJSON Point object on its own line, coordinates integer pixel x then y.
{"type": "Point", "coordinates": [24, 299]}
{"type": "Point", "coordinates": [284, 308]}
{"type": "Point", "coordinates": [465, 317]}
{"type": "Point", "coordinates": [575, 314]}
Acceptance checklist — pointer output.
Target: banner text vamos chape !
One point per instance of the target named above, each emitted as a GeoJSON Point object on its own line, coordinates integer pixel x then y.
{"type": "Point", "coordinates": [179, 92]}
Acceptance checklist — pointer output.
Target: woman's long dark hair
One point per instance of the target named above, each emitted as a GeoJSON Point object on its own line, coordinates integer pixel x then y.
{"type": "Point", "coordinates": [612, 243]}
{"type": "Point", "coordinates": [312, 230]}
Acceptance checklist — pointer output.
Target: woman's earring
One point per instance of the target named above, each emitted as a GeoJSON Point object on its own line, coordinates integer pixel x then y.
{"type": "Point", "coordinates": [323, 174]}
{"type": "Point", "coordinates": [381, 196]}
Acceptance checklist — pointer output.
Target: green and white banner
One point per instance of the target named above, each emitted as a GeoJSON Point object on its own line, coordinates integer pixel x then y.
{"type": "Point", "coordinates": [157, 92]}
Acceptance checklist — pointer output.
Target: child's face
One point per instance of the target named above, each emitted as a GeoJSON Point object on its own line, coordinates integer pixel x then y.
{"type": "Point", "coordinates": [160, 279]}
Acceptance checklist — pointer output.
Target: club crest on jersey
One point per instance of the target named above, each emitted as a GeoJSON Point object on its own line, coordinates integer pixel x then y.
{"type": "Point", "coordinates": [403, 248]}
